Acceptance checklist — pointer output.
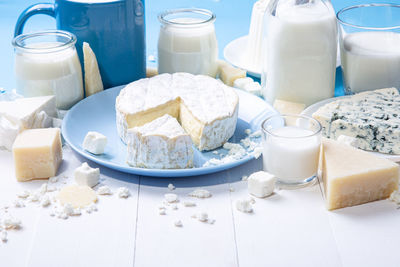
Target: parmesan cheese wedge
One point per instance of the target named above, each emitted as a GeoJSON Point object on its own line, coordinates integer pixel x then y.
{"type": "Point", "coordinates": [93, 83]}
{"type": "Point", "coordinates": [352, 176]}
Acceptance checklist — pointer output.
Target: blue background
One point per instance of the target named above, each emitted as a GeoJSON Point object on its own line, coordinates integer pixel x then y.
{"type": "Point", "coordinates": [233, 19]}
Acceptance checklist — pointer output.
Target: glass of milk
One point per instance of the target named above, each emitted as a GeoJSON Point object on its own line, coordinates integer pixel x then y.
{"type": "Point", "coordinates": [291, 147]}
{"type": "Point", "coordinates": [300, 37]}
{"type": "Point", "coordinates": [187, 42]}
{"type": "Point", "coordinates": [46, 63]}
{"type": "Point", "coordinates": [369, 38]}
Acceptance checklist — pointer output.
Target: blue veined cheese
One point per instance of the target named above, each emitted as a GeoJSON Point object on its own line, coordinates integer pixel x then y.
{"type": "Point", "coordinates": [371, 117]}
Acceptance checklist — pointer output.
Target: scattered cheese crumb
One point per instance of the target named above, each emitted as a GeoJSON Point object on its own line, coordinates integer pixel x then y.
{"type": "Point", "coordinates": [202, 216]}
{"type": "Point", "coordinates": [200, 193]}
{"type": "Point", "coordinates": [244, 205]}
{"type": "Point", "coordinates": [24, 194]}
{"type": "Point", "coordinates": [174, 206]}
{"type": "Point", "coordinates": [104, 190]}
{"type": "Point", "coordinates": [257, 152]}
{"type": "Point", "coordinates": [171, 187]}
{"type": "Point", "coordinates": [45, 201]}
{"type": "Point", "coordinates": [178, 223]}
{"type": "Point", "coordinates": [215, 152]}
{"type": "Point", "coordinates": [123, 192]}
{"type": "Point", "coordinates": [171, 198]}
{"type": "Point", "coordinates": [53, 179]}
{"type": "Point", "coordinates": [247, 131]}
{"type": "Point", "coordinates": [11, 223]}
{"type": "Point", "coordinates": [18, 203]}
{"type": "Point", "coordinates": [256, 134]}
{"type": "Point", "coordinates": [51, 188]}
{"type": "Point", "coordinates": [395, 197]}
{"type": "Point", "coordinates": [245, 177]}
{"type": "Point", "coordinates": [3, 236]}
{"type": "Point", "coordinates": [231, 189]}
{"type": "Point", "coordinates": [189, 204]}
{"type": "Point", "coordinates": [91, 208]}
{"type": "Point", "coordinates": [34, 197]}
{"type": "Point", "coordinates": [162, 212]}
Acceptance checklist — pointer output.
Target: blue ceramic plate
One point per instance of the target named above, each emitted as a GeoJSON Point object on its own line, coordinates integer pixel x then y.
{"type": "Point", "coordinates": [97, 113]}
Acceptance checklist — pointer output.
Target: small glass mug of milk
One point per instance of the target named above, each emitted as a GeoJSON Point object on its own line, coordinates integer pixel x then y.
{"type": "Point", "coordinates": [46, 63]}
{"type": "Point", "coordinates": [291, 147]}
{"type": "Point", "coordinates": [301, 41]}
{"type": "Point", "coordinates": [187, 42]}
{"type": "Point", "coordinates": [369, 37]}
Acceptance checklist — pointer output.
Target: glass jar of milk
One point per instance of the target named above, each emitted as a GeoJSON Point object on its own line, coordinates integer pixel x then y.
{"type": "Point", "coordinates": [46, 63]}
{"type": "Point", "coordinates": [301, 42]}
{"type": "Point", "coordinates": [187, 42]}
{"type": "Point", "coordinates": [369, 38]}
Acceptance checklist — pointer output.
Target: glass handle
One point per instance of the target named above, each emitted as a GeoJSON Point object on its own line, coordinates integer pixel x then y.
{"type": "Point", "coordinates": [42, 8]}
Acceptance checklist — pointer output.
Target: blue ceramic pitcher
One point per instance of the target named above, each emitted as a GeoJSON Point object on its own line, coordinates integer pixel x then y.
{"type": "Point", "coordinates": [115, 30]}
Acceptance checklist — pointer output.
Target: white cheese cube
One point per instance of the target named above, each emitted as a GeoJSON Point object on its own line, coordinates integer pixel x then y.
{"type": "Point", "coordinates": [244, 205]}
{"type": "Point", "coordinates": [261, 184]}
{"type": "Point", "coordinates": [37, 153]}
{"type": "Point", "coordinates": [85, 175]}
{"type": "Point", "coordinates": [95, 143]}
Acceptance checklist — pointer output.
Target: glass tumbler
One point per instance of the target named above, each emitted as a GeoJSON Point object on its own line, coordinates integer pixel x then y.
{"type": "Point", "coordinates": [369, 37]}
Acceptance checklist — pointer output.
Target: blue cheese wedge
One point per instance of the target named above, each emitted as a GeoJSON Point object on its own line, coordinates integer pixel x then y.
{"type": "Point", "coordinates": [372, 117]}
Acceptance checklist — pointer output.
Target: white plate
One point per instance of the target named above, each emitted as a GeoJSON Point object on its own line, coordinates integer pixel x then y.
{"type": "Point", "coordinates": [313, 108]}
{"type": "Point", "coordinates": [233, 54]}
{"type": "Point", "coordinates": [97, 113]}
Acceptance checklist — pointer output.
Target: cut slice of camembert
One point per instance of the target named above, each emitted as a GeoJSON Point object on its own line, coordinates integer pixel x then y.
{"type": "Point", "coordinates": [160, 144]}
{"type": "Point", "coordinates": [352, 176]}
{"type": "Point", "coordinates": [205, 107]}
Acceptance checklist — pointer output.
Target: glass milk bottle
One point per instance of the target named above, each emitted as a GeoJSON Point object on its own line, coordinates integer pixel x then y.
{"type": "Point", "coordinates": [187, 42]}
{"type": "Point", "coordinates": [46, 63]}
{"type": "Point", "coordinates": [301, 42]}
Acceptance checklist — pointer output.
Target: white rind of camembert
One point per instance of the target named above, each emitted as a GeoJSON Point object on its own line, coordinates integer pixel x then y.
{"type": "Point", "coordinates": [205, 107]}
{"type": "Point", "coordinates": [160, 144]}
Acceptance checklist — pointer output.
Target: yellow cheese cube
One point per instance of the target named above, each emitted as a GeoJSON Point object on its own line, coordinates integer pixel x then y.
{"type": "Point", "coordinates": [37, 154]}
{"type": "Point", "coordinates": [352, 176]}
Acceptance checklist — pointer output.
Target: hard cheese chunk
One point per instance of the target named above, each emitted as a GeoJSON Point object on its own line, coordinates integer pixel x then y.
{"type": "Point", "coordinates": [352, 176]}
{"type": "Point", "coordinates": [93, 83]}
{"type": "Point", "coordinates": [37, 153]}
{"type": "Point", "coordinates": [228, 73]}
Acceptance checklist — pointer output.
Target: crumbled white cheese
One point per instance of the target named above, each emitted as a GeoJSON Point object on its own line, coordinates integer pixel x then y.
{"type": "Point", "coordinates": [261, 184]}
{"type": "Point", "coordinates": [171, 187]}
{"type": "Point", "coordinates": [68, 209]}
{"type": "Point", "coordinates": [178, 223]}
{"type": "Point", "coordinates": [256, 134]}
{"type": "Point", "coordinates": [53, 179]}
{"type": "Point", "coordinates": [201, 216]}
{"type": "Point", "coordinates": [189, 204]}
{"type": "Point", "coordinates": [85, 175]}
{"type": "Point", "coordinates": [43, 189]}
{"type": "Point", "coordinates": [245, 177]}
{"type": "Point", "coordinates": [123, 192]}
{"type": "Point", "coordinates": [231, 189]}
{"type": "Point", "coordinates": [395, 197]}
{"type": "Point", "coordinates": [211, 221]}
{"type": "Point", "coordinates": [174, 206]}
{"type": "Point", "coordinates": [51, 188]}
{"type": "Point", "coordinates": [215, 152]}
{"type": "Point", "coordinates": [24, 194]}
{"type": "Point", "coordinates": [200, 193]}
{"type": "Point", "coordinates": [244, 205]}
{"type": "Point", "coordinates": [18, 203]}
{"type": "Point", "coordinates": [247, 131]}
{"type": "Point", "coordinates": [162, 212]}
{"type": "Point", "coordinates": [91, 208]}
{"type": "Point", "coordinates": [171, 198]}
{"type": "Point", "coordinates": [11, 223]}
{"type": "Point", "coordinates": [45, 201]}
{"type": "Point", "coordinates": [257, 152]}
{"type": "Point", "coordinates": [104, 190]}
{"type": "Point", "coordinates": [3, 236]}
{"type": "Point", "coordinates": [34, 197]}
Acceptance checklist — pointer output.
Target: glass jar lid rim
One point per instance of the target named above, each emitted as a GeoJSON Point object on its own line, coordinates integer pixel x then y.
{"type": "Point", "coordinates": [17, 42]}
{"type": "Point", "coordinates": [342, 21]}
{"type": "Point", "coordinates": [163, 20]}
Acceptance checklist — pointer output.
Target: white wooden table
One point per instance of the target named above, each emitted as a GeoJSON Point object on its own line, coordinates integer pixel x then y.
{"type": "Point", "coordinates": [290, 228]}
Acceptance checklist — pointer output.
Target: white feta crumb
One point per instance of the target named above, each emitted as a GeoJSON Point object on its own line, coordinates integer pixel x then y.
{"type": "Point", "coordinates": [231, 189]}
{"type": "Point", "coordinates": [395, 197]}
{"type": "Point", "coordinates": [43, 189]}
{"type": "Point", "coordinates": [11, 223]}
{"type": "Point", "coordinates": [68, 209]}
{"type": "Point", "coordinates": [178, 223]}
{"type": "Point", "coordinates": [245, 178]}
{"type": "Point", "coordinates": [261, 184]}
{"type": "Point", "coordinates": [34, 197]}
{"type": "Point", "coordinates": [24, 194]}
{"type": "Point", "coordinates": [200, 193]}
{"type": "Point", "coordinates": [53, 179]}
{"type": "Point", "coordinates": [51, 188]}
{"type": "Point", "coordinates": [91, 208]}
{"type": "Point", "coordinates": [18, 203]}
{"type": "Point", "coordinates": [211, 221]}
{"type": "Point", "coordinates": [171, 198]}
{"type": "Point", "coordinates": [256, 134]}
{"type": "Point", "coordinates": [95, 143]}
{"type": "Point", "coordinates": [63, 216]}
{"type": "Point", "coordinates": [162, 212]}
{"type": "Point", "coordinates": [189, 204]}
{"type": "Point", "coordinates": [85, 175]}
{"type": "Point", "coordinates": [171, 187]}
{"type": "Point", "coordinates": [257, 152]}
{"type": "Point", "coordinates": [45, 201]}
{"type": "Point", "coordinates": [244, 205]}
{"type": "Point", "coordinates": [77, 212]}
{"type": "Point", "coordinates": [123, 192]}
{"type": "Point", "coordinates": [247, 131]}
{"type": "Point", "coordinates": [202, 216]}
{"type": "Point", "coordinates": [215, 152]}
{"type": "Point", "coordinates": [104, 190]}
{"type": "Point", "coordinates": [174, 206]}
{"type": "Point", "coordinates": [3, 236]}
